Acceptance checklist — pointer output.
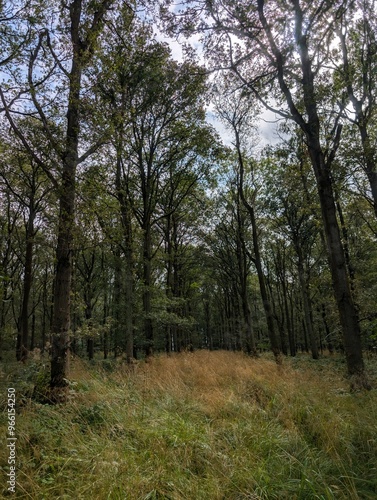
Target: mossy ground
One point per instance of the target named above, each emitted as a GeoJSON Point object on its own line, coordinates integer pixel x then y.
{"type": "Point", "coordinates": [203, 425]}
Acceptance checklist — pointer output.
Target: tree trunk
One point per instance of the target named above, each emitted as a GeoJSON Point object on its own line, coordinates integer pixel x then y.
{"type": "Point", "coordinates": [125, 211]}
{"type": "Point", "coordinates": [28, 274]}
{"type": "Point", "coordinates": [32, 338]}
{"type": "Point", "coordinates": [105, 307]}
{"type": "Point", "coordinates": [90, 348]}
{"type": "Point", "coordinates": [346, 307]}
{"type": "Point", "coordinates": [328, 337]}
{"type": "Point", "coordinates": [169, 281]}
{"type": "Point", "coordinates": [82, 51]}
{"type": "Point", "coordinates": [280, 318]}
{"type": "Point", "coordinates": [88, 317]}
{"type": "Point", "coordinates": [243, 274]}
{"type": "Point", "coordinates": [117, 304]}
{"type": "Point", "coordinates": [263, 290]}
{"type": "Point", "coordinates": [128, 296]}
{"type": "Point", "coordinates": [306, 305]}
{"type": "Point", "coordinates": [322, 171]}
{"type": "Point", "coordinates": [289, 320]}
{"type": "Point", "coordinates": [344, 232]}
{"type": "Point", "coordinates": [62, 289]}
{"type": "Point", "coordinates": [258, 261]}
{"type": "Point", "coordinates": [147, 282]}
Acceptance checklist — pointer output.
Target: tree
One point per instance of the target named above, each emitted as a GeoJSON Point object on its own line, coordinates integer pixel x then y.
{"type": "Point", "coordinates": [356, 29]}
{"type": "Point", "coordinates": [10, 264]}
{"type": "Point", "coordinates": [88, 259]}
{"type": "Point", "coordinates": [232, 260]}
{"type": "Point", "coordinates": [237, 112]}
{"type": "Point", "coordinates": [29, 188]}
{"type": "Point", "coordinates": [60, 53]}
{"type": "Point", "coordinates": [183, 205]}
{"type": "Point", "coordinates": [288, 179]}
{"type": "Point", "coordinates": [160, 133]}
{"type": "Point", "coordinates": [283, 59]}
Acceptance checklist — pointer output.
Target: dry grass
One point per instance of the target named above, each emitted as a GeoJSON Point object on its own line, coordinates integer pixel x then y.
{"type": "Point", "coordinates": [203, 425]}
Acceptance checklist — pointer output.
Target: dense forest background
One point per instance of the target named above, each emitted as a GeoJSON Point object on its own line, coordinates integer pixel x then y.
{"type": "Point", "coordinates": [129, 227]}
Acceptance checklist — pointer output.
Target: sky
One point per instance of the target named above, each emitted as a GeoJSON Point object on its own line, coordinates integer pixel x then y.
{"type": "Point", "coordinates": [267, 126]}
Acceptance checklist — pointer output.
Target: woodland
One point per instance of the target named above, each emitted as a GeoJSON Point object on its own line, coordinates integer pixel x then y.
{"type": "Point", "coordinates": [188, 258]}
{"type": "Point", "coordinates": [130, 227]}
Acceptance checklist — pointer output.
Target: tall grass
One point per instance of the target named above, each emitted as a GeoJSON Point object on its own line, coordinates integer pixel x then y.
{"type": "Point", "coordinates": [204, 425]}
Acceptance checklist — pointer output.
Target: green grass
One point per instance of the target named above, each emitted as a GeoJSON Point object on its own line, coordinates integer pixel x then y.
{"type": "Point", "coordinates": [195, 426]}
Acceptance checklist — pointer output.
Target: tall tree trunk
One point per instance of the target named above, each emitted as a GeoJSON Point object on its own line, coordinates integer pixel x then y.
{"type": "Point", "coordinates": [243, 274]}
{"type": "Point", "coordinates": [169, 280]}
{"type": "Point", "coordinates": [147, 283]}
{"type": "Point", "coordinates": [257, 258]}
{"type": "Point", "coordinates": [306, 305]}
{"type": "Point", "coordinates": [177, 284]}
{"type": "Point", "coordinates": [344, 232]}
{"type": "Point", "coordinates": [82, 51]}
{"type": "Point", "coordinates": [311, 126]}
{"type": "Point", "coordinates": [62, 289]}
{"type": "Point", "coordinates": [117, 304]}
{"type": "Point", "coordinates": [129, 297]}
{"type": "Point", "coordinates": [33, 321]}
{"type": "Point", "coordinates": [88, 317]}
{"type": "Point", "coordinates": [342, 291]}
{"type": "Point", "coordinates": [289, 319]}
{"type": "Point", "coordinates": [322, 171]}
{"type": "Point", "coordinates": [125, 210]}
{"type": "Point", "coordinates": [28, 275]}
{"type": "Point", "coordinates": [249, 333]}
{"type": "Point", "coordinates": [280, 318]}
{"type": "Point", "coordinates": [45, 306]}
{"type": "Point", "coordinates": [105, 311]}
{"type": "Point", "coordinates": [328, 337]}
{"type": "Point", "coordinates": [263, 290]}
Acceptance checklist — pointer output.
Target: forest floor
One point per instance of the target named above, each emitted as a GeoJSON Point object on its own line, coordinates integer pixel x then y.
{"type": "Point", "coordinates": [192, 426]}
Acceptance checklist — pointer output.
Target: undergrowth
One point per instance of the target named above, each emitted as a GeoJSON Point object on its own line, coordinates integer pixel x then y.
{"type": "Point", "coordinates": [204, 425]}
